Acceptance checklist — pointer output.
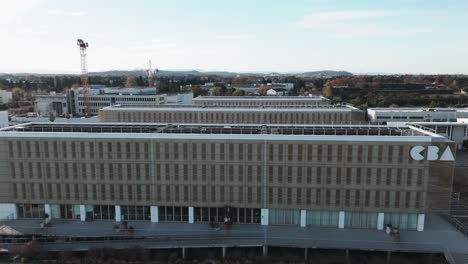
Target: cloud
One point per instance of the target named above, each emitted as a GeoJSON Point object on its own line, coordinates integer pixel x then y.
{"type": "Point", "coordinates": [14, 10]}
{"type": "Point", "coordinates": [327, 19]}
{"type": "Point", "coordinates": [60, 12]}
{"type": "Point", "coordinates": [234, 37]}
{"type": "Point", "coordinates": [357, 23]}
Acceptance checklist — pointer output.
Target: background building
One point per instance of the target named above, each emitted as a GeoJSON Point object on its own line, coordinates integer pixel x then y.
{"type": "Point", "coordinates": [53, 103]}
{"type": "Point", "coordinates": [100, 96]}
{"type": "Point", "coordinates": [261, 100]}
{"type": "Point", "coordinates": [232, 115]}
{"type": "Point", "coordinates": [382, 115]}
{"type": "Point", "coordinates": [3, 119]}
{"type": "Point", "coordinates": [5, 97]}
{"type": "Point", "coordinates": [344, 176]}
{"type": "Point", "coordinates": [455, 131]}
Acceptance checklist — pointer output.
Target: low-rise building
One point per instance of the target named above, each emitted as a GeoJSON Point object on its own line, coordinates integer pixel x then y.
{"type": "Point", "coordinates": [201, 114]}
{"type": "Point", "coordinates": [100, 96]}
{"type": "Point", "coordinates": [455, 131]}
{"type": "Point", "coordinates": [383, 115]}
{"type": "Point", "coordinates": [5, 97]}
{"type": "Point", "coordinates": [261, 100]}
{"type": "Point", "coordinates": [52, 103]}
{"type": "Point", "coordinates": [4, 119]}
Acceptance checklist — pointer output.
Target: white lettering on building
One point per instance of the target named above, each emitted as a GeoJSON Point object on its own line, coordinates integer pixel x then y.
{"type": "Point", "coordinates": [432, 153]}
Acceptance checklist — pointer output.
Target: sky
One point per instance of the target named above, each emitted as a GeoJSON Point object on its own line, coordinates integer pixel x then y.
{"type": "Point", "coordinates": [361, 36]}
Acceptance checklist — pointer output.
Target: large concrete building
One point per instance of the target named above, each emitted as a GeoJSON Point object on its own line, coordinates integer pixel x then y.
{"type": "Point", "coordinates": [261, 100]}
{"type": "Point", "coordinates": [232, 114]}
{"type": "Point", "coordinates": [384, 115]}
{"type": "Point", "coordinates": [100, 96]}
{"type": "Point", "coordinates": [345, 176]}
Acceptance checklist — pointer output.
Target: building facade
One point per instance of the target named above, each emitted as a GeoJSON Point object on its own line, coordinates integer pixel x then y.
{"type": "Point", "coordinates": [330, 176]}
{"type": "Point", "coordinates": [455, 131]}
{"type": "Point", "coordinates": [100, 97]}
{"type": "Point", "coordinates": [53, 103]}
{"type": "Point", "coordinates": [5, 97]}
{"type": "Point", "coordinates": [384, 115]}
{"type": "Point", "coordinates": [261, 100]}
{"type": "Point", "coordinates": [231, 115]}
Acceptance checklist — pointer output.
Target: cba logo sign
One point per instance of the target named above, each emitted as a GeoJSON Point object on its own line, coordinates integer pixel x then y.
{"type": "Point", "coordinates": [432, 153]}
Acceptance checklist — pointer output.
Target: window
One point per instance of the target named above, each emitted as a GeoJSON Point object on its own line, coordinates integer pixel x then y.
{"type": "Point", "coordinates": [377, 199]}
{"type": "Point", "coordinates": [419, 179]}
{"type": "Point", "coordinates": [337, 198]}
{"type": "Point", "coordinates": [318, 197]}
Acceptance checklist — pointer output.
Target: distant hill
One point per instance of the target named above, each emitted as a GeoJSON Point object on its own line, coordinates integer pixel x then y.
{"type": "Point", "coordinates": [314, 74]}
{"type": "Point", "coordinates": [324, 74]}
{"type": "Point", "coordinates": [182, 73]}
{"type": "Point", "coordinates": [171, 73]}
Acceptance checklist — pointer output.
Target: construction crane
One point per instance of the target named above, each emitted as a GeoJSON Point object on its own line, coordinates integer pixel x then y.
{"type": "Point", "coordinates": [84, 75]}
{"type": "Point", "coordinates": [150, 73]}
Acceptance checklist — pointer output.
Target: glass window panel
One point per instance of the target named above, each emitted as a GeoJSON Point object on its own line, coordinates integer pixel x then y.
{"type": "Point", "coordinates": [272, 216]}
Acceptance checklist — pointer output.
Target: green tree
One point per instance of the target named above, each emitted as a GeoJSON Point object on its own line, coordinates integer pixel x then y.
{"type": "Point", "coordinates": [328, 89]}
{"type": "Point", "coordinates": [131, 81]}
{"type": "Point", "coordinates": [237, 92]}
{"type": "Point", "coordinates": [215, 91]}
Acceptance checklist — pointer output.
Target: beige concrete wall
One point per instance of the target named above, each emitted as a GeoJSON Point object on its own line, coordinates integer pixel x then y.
{"type": "Point", "coordinates": [304, 175]}
{"type": "Point", "coordinates": [241, 116]}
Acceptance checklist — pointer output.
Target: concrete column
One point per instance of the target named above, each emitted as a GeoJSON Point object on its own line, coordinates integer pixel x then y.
{"type": "Point", "coordinates": [48, 211]}
{"type": "Point", "coordinates": [303, 218]}
{"type": "Point", "coordinates": [264, 213]}
{"type": "Point", "coordinates": [224, 252]}
{"type": "Point", "coordinates": [389, 257]}
{"type": "Point", "coordinates": [380, 221]}
{"type": "Point", "coordinates": [82, 212]}
{"type": "Point", "coordinates": [118, 214]}
{"type": "Point", "coordinates": [306, 253]}
{"type": "Point", "coordinates": [154, 214]}
{"type": "Point", "coordinates": [190, 215]}
{"type": "Point", "coordinates": [420, 226]}
{"type": "Point", "coordinates": [183, 253]}
{"type": "Point", "coordinates": [265, 251]}
{"type": "Point", "coordinates": [347, 256]}
{"type": "Point", "coordinates": [341, 219]}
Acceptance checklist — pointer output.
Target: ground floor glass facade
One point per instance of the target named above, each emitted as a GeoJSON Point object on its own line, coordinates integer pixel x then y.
{"type": "Point", "coordinates": [103, 212]}
{"type": "Point", "coordinates": [402, 220]}
{"type": "Point", "coordinates": [132, 212]}
{"type": "Point", "coordinates": [283, 216]}
{"type": "Point", "coordinates": [30, 210]}
{"type": "Point", "coordinates": [227, 214]}
{"type": "Point", "coordinates": [360, 220]}
{"type": "Point", "coordinates": [322, 218]}
{"type": "Point", "coordinates": [173, 213]}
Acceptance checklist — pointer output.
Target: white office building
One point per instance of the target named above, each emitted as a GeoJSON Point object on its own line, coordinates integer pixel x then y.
{"type": "Point", "coordinates": [384, 115]}
{"type": "Point", "coordinates": [5, 97]}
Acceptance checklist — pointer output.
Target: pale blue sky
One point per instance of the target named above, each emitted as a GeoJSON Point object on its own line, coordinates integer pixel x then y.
{"type": "Point", "coordinates": [392, 36]}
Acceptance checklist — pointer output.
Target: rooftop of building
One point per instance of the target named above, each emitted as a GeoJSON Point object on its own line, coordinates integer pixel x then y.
{"type": "Point", "coordinates": [416, 109]}
{"type": "Point", "coordinates": [214, 131]}
{"type": "Point", "coordinates": [266, 98]}
{"type": "Point", "coordinates": [253, 108]}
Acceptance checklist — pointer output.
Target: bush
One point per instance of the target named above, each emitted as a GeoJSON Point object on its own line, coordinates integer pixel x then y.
{"type": "Point", "coordinates": [30, 250]}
